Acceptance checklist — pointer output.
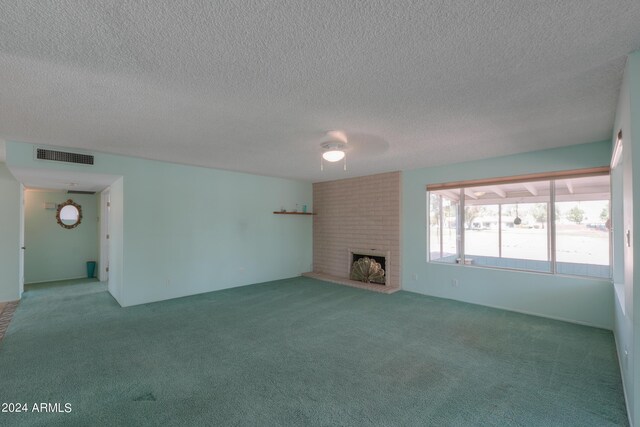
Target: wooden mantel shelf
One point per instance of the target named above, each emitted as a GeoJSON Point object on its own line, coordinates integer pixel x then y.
{"type": "Point", "coordinates": [294, 213]}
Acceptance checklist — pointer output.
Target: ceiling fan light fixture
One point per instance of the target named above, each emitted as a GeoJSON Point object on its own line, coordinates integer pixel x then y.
{"type": "Point", "coordinates": [333, 155]}
{"type": "Point", "coordinates": [334, 149]}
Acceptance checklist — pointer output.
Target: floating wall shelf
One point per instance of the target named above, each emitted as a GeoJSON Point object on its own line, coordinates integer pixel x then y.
{"type": "Point", "coordinates": [294, 213]}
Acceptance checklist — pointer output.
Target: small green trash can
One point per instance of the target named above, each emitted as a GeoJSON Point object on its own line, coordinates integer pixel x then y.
{"type": "Point", "coordinates": [91, 269]}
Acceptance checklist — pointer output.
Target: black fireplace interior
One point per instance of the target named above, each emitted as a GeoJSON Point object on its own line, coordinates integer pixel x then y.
{"type": "Point", "coordinates": [379, 259]}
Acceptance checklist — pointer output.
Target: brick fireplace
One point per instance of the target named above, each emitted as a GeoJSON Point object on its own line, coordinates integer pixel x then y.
{"type": "Point", "coordinates": [357, 215]}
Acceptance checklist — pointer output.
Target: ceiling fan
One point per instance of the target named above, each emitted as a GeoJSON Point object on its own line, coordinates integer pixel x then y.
{"type": "Point", "coordinates": [334, 147]}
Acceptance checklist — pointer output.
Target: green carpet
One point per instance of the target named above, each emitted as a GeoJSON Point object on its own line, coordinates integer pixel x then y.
{"type": "Point", "coordinates": [301, 352]}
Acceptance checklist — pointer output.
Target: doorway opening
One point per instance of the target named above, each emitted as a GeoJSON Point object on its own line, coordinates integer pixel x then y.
{"type": "Point", "coordinates": [65, 229]}
{"type": "Point", "coordinates": [61, 235]}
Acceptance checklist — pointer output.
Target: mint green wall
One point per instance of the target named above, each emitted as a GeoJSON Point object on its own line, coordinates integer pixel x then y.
{"type": "Point", "coordinates": [188, 230]}
{"type": "Point", "coordinates": [9, 235]}
{"type": "Point", "coordinates": [633, 69]}
{"type": "Point", "coordinates": [627, 183]}
{"type": "Point", "coordinates": [578, 300]}
{"type": "Point", "coordinates": [53, 252]}
{"type": "Point", "coordinates": [622, 210]}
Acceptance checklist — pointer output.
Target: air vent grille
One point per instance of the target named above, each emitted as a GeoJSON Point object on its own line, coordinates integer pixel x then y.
{"type": "Point", "coordinates": [80, 192]}
{"type": "Point", "coordinates": [63, 156]}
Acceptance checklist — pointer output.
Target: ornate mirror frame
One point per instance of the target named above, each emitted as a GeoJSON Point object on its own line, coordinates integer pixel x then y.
{"type": "Point", "coordinates": [69, 203]}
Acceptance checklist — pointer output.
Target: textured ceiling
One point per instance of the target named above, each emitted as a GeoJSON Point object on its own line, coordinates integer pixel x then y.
{"type": "Point", "coordinates": [253, 85]}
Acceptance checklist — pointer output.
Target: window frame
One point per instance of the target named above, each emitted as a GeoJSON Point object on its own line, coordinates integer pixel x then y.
{"type": "Point", "coordinates": [551, 179]}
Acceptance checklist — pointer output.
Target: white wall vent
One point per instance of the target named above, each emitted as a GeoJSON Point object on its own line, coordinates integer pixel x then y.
{"type": "Point", "coordinates": [64, 156]}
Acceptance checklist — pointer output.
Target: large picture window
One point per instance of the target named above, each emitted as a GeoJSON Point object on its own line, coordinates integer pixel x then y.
{"type": "Point", "coordinates": [546, 225]}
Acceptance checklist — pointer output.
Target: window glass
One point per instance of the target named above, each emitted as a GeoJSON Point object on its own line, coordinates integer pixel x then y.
{"type": "Point", "coordinates": [435, 232]}
{"type": "Point", "coordinates": [481, 229]}
{"type": "Point", "coordinates": [525, 236]}
{"type": "Point", "coordinates": [507, 226]}
{"type": "Point", "coordinates": [510, 226]}
{"type": "Point", "coordinates": [443, 226]}
{"type": "Point", "coordinates": [583, 226]}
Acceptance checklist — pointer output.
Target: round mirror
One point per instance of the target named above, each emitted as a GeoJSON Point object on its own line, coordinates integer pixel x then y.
{"type": "Point", "coordinates": [69, 214]}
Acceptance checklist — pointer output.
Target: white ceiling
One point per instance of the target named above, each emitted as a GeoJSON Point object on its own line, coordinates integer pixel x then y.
{"type": "Point", "coordinates": [253, 85]}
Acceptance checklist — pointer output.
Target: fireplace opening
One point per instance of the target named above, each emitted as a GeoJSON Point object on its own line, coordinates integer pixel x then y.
{"type": "Point", "coordinates": [379, 273]}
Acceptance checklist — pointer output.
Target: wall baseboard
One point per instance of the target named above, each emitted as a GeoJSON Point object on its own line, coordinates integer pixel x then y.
{"type": "Point", "coordinates": [60, 280]}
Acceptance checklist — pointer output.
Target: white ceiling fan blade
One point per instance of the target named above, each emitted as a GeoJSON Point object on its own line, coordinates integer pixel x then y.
{"type": "Point", "coordinates": [337, 135]}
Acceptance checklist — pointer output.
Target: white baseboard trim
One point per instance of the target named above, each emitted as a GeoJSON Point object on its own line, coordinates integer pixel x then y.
{"type": "Point", "coordinates": [60, 280]}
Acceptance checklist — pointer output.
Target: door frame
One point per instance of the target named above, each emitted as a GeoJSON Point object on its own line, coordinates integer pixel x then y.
{"type": "Point", "coordinates": [21, 248]}
{"type": "Point", "coordinates": [105, 207]}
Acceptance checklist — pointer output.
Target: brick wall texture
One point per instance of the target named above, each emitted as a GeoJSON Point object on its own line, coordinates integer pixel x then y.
{"type": "Point", "coordinates": [362, 213]}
